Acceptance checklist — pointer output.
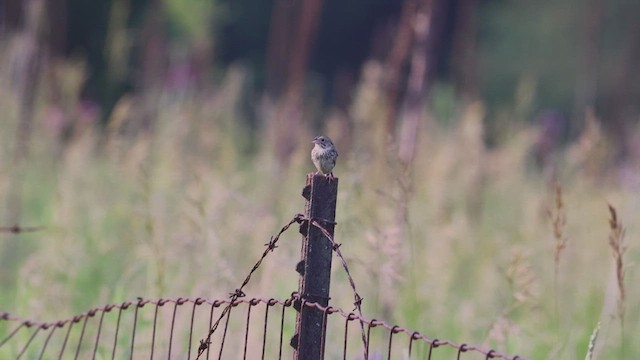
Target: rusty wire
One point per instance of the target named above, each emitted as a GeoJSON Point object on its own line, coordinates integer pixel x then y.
{"type": "Point", "coordinates": [356, 296]}
{"type": "Point", "coordinates": [433, 343]}
{"type": "Point", "coordinates": [392, 330]}
{"type": "Point", "coordinates": [238, 293]}
{"type": "Point", "coordinates": [271, 246]}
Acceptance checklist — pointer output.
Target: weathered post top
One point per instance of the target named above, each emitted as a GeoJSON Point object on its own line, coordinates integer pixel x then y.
{"type": "Point", "coordinates": [315, 267]}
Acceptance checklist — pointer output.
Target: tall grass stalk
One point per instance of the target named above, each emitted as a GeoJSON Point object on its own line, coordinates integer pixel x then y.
{"type": "Point", "coordinates": [618, 250]}
{"type": "Point", "coordinates": [558, 219]}
{"type": "Point", "coordinates": [592, 342]}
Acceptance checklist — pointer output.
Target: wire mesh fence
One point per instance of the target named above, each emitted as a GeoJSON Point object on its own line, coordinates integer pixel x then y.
{"type": "Point", "coordinates": [257, 328]}
{"type": "Point", "coordinates": [236, 328]}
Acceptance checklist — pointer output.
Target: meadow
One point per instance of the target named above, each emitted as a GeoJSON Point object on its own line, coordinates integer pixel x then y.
{"type": "Point", "coordinates": [469, 242]}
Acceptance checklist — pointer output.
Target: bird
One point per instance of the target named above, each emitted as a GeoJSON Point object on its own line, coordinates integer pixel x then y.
{"type": "Point", "coordinates": [324, 155]}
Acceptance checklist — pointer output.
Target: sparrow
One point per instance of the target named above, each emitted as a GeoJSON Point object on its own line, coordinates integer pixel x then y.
{"type": "Point", "coordinates": [324, 155]}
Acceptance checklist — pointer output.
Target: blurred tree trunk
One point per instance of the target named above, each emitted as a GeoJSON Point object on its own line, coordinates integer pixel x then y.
{"type": "Point", "coordinates": [279, 45]}
{"type": "Point", "coordinates": [621, 102]}
{"type": "Point", "coordinates": [57, 23]}
{"type": "Point", "coordinates": [463, 55]}
{"type": "Point", "coordinates": [11, 13]}
{"type": "Point", "coordinates": [418, 84]}
{"type": "Point", "coordinates": [397, 59]}
{"type": "Point", "coordinates": [56, 41]}
{"type": "Point", "coordinates": [291, 61]}
{"type": "Point", "coordinates": [304, 36]}
{"type": "Point", "coordinates": [587, 77]}
{"type": "Point", "coordinates": [407, 44]}
{"type": "Point", "coordinates": [153, 62]}
{"type": "Point", "coordinates": [412, 116]}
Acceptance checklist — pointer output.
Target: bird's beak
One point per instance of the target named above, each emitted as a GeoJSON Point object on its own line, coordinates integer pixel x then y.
{"type": "Point", "coordinates": [315, 140]}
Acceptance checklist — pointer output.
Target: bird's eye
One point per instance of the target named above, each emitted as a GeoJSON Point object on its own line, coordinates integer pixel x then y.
{"type": "Point", "coordinates": [322, 140]}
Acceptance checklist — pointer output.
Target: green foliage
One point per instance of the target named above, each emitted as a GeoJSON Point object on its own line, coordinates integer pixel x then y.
{"type": "Point", "coordinates": [191, 19]}
{"type": "Point", "coordinates": [521, 40]}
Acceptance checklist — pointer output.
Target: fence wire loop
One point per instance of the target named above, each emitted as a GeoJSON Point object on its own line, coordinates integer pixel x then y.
{"type": "Point", "coordinates": [463, 348]}
{"type": "Point", "coordinates": [254, 302]}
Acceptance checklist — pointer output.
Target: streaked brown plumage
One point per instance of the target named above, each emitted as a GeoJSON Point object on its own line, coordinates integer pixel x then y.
{"type": "Point", "coordinates": [324, 155]}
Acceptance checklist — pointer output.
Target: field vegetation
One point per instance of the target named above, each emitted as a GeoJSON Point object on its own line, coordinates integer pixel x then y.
{"type": "Point", "coordinates": [470, 243]}
{"type": "Point", "coordinates": [475, 223]}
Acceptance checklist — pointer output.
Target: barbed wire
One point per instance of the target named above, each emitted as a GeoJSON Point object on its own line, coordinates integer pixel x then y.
{"type": "Point", "coordinates": [238, 293]}
{"type": "Point", "coordinates": [271, 246]}
{"type": "Point", "coordinates": [357, 298]}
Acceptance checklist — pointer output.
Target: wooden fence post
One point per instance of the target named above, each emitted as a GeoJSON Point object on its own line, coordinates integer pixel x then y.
{"type": "Point", "coordinates": [315, 267]}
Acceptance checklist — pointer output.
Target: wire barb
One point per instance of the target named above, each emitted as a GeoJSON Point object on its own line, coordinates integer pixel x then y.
{"type": "Point", "coordinates": [237, 294]}
{"type": "Point", "coordinates": [271, 245]}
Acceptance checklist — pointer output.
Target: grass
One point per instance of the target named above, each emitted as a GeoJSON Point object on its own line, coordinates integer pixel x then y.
{"type": "Point", "coordinates": [459, 246]}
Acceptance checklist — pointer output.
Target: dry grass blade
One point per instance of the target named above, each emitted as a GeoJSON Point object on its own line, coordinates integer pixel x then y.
{"type": "Point", "coordinates": [592, 342]}
{"type": "Point", "coordinates": [558, 219]}
{"type": "Point", "coordinates": [618, 249]}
